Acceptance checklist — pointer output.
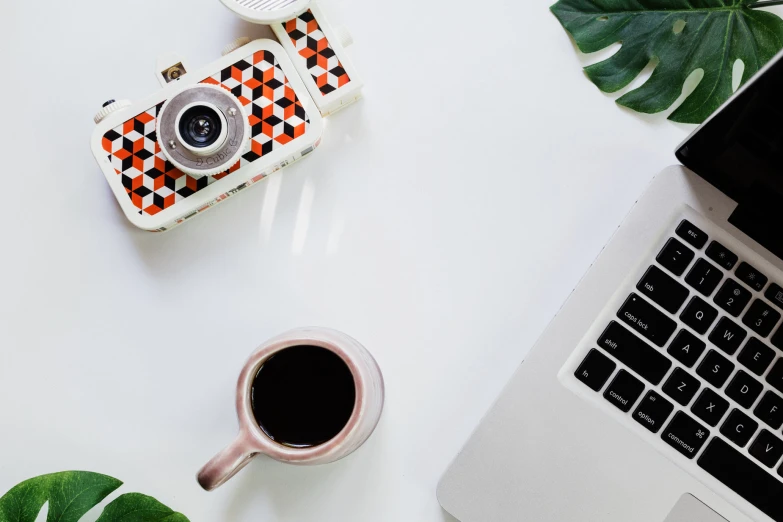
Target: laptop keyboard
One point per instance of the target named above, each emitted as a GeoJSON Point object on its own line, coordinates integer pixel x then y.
{"type": "Point", "coordinates": [693, 355]}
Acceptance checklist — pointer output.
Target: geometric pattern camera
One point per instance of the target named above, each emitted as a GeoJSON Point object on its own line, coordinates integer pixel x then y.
{"type": "Point", "coordinates": [276, 117]}
{"type": "Point", "coordinates": [284, 90]}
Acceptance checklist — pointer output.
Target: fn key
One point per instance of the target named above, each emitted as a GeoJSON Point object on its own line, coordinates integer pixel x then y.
{"type": "Point", "coordinates": [595, 369]}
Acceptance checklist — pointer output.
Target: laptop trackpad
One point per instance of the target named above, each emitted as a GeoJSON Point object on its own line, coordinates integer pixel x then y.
{"type": "Point", "coordinates": [690, 509]}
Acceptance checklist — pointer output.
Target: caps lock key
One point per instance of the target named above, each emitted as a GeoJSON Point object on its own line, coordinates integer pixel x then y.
{"type": "Point", "coordinates": [647, 320]}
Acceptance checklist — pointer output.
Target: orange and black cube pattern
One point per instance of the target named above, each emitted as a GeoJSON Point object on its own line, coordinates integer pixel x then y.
{"type": "Point", "coordinates": [312, 45]}
{"type": "Point", "coordinates": [276, 117]}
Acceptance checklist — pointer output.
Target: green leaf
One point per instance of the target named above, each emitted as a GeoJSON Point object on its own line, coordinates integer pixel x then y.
{"type": "Point", "coordinates": [71, 494]}
{"type": "Point", "coordinates": [716, 33]}
{"type": "Point", "coordinates": [135, 507]}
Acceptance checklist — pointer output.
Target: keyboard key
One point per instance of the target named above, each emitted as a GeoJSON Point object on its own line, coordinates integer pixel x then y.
{"type": "Point", "coordinates": [647, 320]}
{"type": "Point", "coordinates": [732, 297]}
{"type": "Point", "coordinates": [770, 410]}
{"type": "Point", "coordinates": [698, 315]}
{"type": "Point", "coordinates": [685, 435]}
{"type": "Point", "coordinates": [744, 389]}
{"type": "Point", "coordinates": [686, 348]}
{"type": "Point", "coordinates": [634, 353]}
{"type": "Point", "coordinates": [761, 317]}
{"type": "Point", "coordinates": [624, 390]}
{"type": "Point", "coordinates": [662, 289]}
{"type": "Point", "coordinates": [750, 276]}
{"type": "Point", "coordinates": [681, 386]}
{"type": "Point", "coordinates": [715, 369]}
{"type": "Point", "coordinates": [767, 449]}
{"type": "Point", "coordinates": [777, 339]}
{"type": "Point", "coordinates": [775, 376]}
{"type": "Point", "coordinates": [595, 369]}
{"type": "Point", "coordinates": [721, 255]}
{"type": "Point", "coordinates": [688, 231]}
{"type": "Point", "coordinates": [744, 477]}
{"type": "Point", "coordinates": [739, 428]}
{"type": "Point", "coordinates": [775, 294]}
{"type": "Point", "coordinates": [756, 356]}
{"type": "Point", "coordinates": [675, 257]}
{"type": "Point", "coordinates": [727, 335]}
{"type": "Point", "coordinates": [653, 411]}
{"type": "Point", "coordinates": [710, 407]}
{"type": "Point", "coordinates": [704, 277]}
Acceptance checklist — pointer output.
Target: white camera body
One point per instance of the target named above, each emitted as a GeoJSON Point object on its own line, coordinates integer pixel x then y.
{"type": "Point", "coordinates": [210, 133]}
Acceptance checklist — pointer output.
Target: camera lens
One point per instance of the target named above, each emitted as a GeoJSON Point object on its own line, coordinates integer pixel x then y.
{"type": "Point", "coordinates": [200, 126]}
{"type": "Point", "coordinates": [203, 130]}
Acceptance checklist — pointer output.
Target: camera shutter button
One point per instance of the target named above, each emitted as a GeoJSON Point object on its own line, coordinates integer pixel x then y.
{"type": "Point", "coordinates": [110, 107]}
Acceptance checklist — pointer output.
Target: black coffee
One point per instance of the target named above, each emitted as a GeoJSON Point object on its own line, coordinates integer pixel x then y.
{"type": "Point", "coordinates": [303, 396]}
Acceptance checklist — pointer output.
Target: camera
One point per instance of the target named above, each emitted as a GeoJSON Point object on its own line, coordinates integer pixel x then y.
{"type": "Point", "coordinates": [211, 133]}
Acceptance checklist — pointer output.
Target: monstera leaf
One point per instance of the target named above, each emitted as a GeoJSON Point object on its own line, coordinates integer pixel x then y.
{"type": "Point", "coordinates": [71, 494]}
{"type": "Point", "coordinates": [683, 36]}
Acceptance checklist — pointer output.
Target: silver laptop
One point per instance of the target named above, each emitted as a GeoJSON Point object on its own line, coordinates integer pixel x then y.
{"type": "Point", "coordinates": [656, 393]}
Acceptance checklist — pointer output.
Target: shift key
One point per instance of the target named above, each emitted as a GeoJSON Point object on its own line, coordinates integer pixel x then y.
{"type": "Point", "coordinates": [639, 356]}
{"type": "Point", "coordinates": [647, 320]}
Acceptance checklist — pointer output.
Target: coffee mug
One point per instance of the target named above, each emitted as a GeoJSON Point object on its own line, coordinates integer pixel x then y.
{"type": "Point", "coordinates": [308, 396]}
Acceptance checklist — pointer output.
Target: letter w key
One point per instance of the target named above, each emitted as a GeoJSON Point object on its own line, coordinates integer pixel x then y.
{"type": "Point", "coordinates": [728, 336]}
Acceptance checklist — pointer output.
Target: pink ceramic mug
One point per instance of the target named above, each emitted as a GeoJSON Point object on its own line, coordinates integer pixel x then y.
{"type": "Point", "coordinates": [252, 440]}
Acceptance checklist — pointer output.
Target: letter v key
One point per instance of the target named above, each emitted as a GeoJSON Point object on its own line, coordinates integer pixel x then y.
{"type": "Point", "coordinates": [767, 449]}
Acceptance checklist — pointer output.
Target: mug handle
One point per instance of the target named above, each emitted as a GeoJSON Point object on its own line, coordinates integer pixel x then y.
{"type": "Point", "coordinates": [226, 464]}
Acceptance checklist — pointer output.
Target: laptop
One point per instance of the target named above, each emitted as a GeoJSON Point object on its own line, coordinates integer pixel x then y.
{"type": "Point", "coordinates": [656, 393]}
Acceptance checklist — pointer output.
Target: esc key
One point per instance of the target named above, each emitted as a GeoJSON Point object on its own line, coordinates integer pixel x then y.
{"type": "Point", "coordinates": [690, 233]}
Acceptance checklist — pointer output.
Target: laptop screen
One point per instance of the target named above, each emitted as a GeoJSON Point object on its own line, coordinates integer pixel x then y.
{"type": "Point", "coordinates": [740, 151]}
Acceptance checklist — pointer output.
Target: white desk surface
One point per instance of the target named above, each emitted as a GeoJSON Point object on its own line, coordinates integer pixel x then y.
{"type": "Point", "coordinates": [442, 223]}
